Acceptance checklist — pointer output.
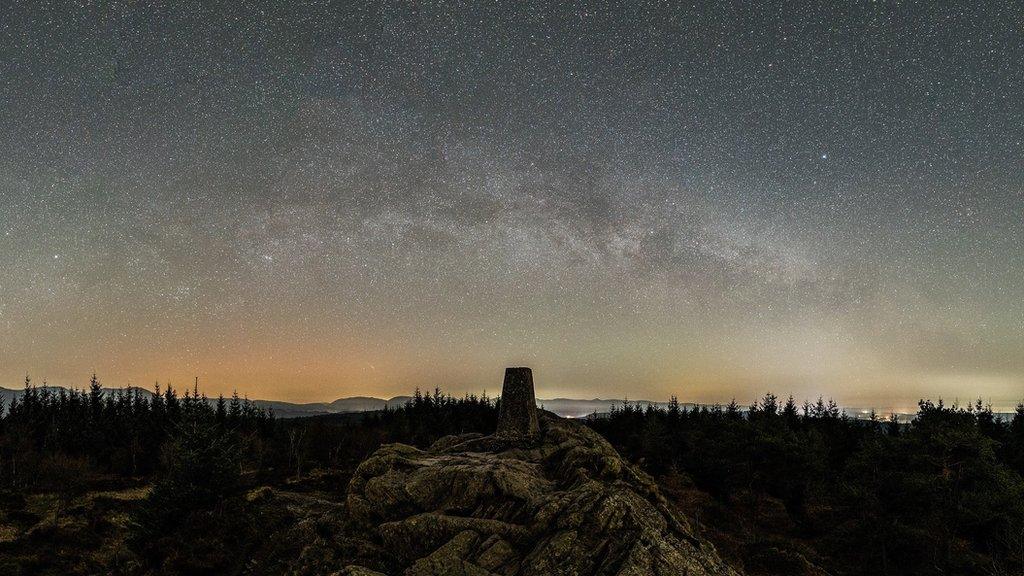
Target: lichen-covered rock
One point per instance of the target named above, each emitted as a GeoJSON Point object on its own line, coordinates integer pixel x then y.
{"type": "Point", "coordinates": [357, 571]}
{"type": "Point", "coordinates": [560, 503]}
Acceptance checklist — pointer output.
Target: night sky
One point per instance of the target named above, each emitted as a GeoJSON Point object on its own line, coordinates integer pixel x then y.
{"type": "Point", "coordinates": [319, 199]}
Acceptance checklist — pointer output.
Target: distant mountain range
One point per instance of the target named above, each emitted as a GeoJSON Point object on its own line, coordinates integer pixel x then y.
{"type": "Point", "coordinates": [8, 393]}
{"type": "Point", "coordinates": [565, 407]}
{"type": "Point", "coordinates": [339, 406]}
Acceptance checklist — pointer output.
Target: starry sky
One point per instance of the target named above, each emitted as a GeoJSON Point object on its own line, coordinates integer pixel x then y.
{"type": "Point", "coordinates": [315, 199]}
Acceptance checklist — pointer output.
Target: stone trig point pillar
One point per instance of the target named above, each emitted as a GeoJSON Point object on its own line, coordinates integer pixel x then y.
{"type": "Point", "coordinates": [517, 417]}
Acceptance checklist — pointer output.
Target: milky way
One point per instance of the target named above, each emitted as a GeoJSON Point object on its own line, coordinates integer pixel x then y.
{"type": "Point", "coordinates": [311, 199]}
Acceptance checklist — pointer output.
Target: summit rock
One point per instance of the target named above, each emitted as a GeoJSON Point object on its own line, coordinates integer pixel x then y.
{"type": "Point", "coordinates": [560, 502]}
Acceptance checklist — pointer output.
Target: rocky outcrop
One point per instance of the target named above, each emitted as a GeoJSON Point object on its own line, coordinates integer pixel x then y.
{"type": "Point", "coordinates": [559, 502]}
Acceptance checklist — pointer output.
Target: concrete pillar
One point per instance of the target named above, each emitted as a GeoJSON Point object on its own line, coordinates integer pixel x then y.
{"type": "Point", "coordinates": [517, 417]}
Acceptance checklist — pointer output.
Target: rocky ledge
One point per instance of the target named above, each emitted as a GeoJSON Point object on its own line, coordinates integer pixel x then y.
{"type": "Point", "coordinates": [558, 502]}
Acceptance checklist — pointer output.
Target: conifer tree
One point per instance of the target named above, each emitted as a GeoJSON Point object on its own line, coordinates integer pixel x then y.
{"type": "Point", "coordinates": [789, 412]}
{"type": "Point", "coordinates": [221, 411]}
{"type": "Point", "coordinates": [95, 399]}
{"type": "Point", "coordinates": [732, 411]}
{"type": "Point", "coordinates": [234, 409]}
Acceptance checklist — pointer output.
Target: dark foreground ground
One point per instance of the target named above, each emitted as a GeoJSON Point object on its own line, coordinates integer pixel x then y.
{"type": "Point", "coordinates": [188, 489]}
